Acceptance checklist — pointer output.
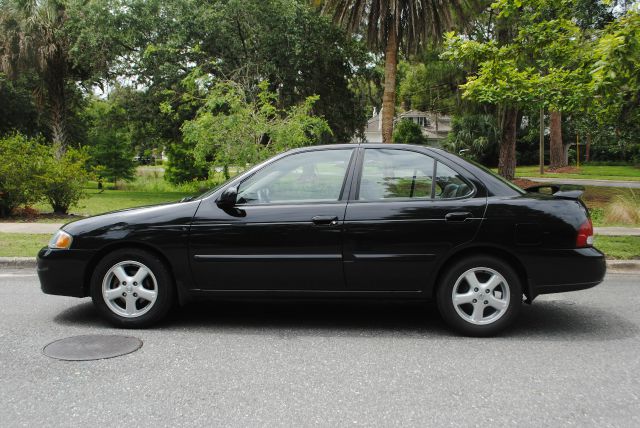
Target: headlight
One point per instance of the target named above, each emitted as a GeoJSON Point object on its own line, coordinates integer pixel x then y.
{"type": "Point", "coordinates": [61, 240]}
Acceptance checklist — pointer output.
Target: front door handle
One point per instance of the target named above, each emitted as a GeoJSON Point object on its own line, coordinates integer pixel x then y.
{"type": "Point", "coordinates": [325, 219]}
{"type": "Point", "coordinates": [457, 216]}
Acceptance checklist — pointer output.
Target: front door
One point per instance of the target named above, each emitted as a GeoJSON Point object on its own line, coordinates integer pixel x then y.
{"type": "Point", "coordinates": [408, 212]}
{"type": "Point", "coordinates": [285, 232]}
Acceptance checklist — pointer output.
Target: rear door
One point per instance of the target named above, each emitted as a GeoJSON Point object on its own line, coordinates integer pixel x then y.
{"type": "Point", "coordinates": [407, 211]}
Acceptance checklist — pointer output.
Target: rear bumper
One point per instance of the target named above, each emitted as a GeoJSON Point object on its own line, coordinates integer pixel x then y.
{"type": "Point", "coordinates": [62, 272]}
{"type": "Point", "coordinates": [557, 271]}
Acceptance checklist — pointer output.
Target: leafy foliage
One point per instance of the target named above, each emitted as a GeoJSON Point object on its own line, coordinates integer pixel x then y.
{"type": "Point", "coordinates": [234, 129]}
{"type": "Point", "coordinates": [472, 135]}
{"type": "Point", "coordinates": [22, 164]}
{"type": "Point", "coordinates": [541, 65]}
{"type": "Point", "coordinates": [616, 77]}
{"type": "Point", "coordinates": [182, 166]}
{"type": "Point", "coordinates": [64, 178]}
{"type": "Point", "coordinates": [109, 142]}
{"type": "Point", "coordinates": [408, 132]}
{"type": "Point", "coordinates": [31, 171]}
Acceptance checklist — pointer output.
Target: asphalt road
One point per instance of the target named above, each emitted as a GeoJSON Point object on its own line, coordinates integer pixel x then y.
{"type": "Point", "coordinates": [572, 359]}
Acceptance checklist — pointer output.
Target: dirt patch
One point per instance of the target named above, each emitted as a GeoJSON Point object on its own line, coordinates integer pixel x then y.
{"type": "Point", "coordinates": [564, 170]}
{"type": "Point", "coordinates": [524, 183]}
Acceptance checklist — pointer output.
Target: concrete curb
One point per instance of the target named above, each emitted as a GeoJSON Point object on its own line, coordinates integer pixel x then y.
{"type": "Point", "coordinates": [631, 266]}
{"type": "Point", "coordinates": [623, 265]}
{"type": "Point", "coordinates": [17, 262]}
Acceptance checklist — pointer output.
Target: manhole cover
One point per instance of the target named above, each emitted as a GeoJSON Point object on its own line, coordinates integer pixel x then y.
{"type": "Point", "coordinates": [91, 347]}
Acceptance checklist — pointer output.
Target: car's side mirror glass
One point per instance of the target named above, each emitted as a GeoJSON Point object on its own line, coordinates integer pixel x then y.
{"type": "Point", "coordinates": [228, 198]}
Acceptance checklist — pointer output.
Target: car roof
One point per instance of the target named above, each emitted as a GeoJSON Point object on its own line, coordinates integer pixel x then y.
{"type": "Point", "coordinates": [371, 146]}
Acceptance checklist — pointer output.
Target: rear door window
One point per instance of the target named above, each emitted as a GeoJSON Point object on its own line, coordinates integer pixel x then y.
{"type": "Point", "coordinates": [402, 174]}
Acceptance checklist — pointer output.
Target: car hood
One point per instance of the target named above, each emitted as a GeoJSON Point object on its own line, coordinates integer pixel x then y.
{"type": "Point", "coordinates": [152, 215]}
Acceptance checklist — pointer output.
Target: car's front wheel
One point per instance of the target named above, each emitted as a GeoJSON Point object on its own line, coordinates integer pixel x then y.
{"type": "Point", "coordinates": [132, 288]}
{"type": "Point", "coordinates": [479, 296]}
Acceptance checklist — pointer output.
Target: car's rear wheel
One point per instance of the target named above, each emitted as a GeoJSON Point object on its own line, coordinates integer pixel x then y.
{"type": "Point", "coordinates": [479, 296]}
{"type": "Point", "coordinates": [132, 288]}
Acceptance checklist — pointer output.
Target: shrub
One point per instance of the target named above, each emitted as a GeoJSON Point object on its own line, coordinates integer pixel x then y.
{"type": "Point", "coordinates": [408, 132]}
{"type": "Point", "coordinates": [23, 162]}
{"type": "Point", "coordinates": [64, 178]}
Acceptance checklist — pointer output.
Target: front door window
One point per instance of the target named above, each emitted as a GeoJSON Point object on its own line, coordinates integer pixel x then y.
{"type": "Point", "coordinates": [315, 176]}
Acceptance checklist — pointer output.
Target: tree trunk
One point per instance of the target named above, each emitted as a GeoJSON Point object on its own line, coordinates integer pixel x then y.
{"type": "Point", "coordinates": [556, 149]}
{"type": "Point", "coordinates": [507, 160]}
{"type": "Point", "coordinates": [541, 141]}
{"type": "Point", "coordinates": [588, 148]}
{"type": "Point", "coordinates": [389, 95]}
{"type": "Point", "coordinates": [54, 79]}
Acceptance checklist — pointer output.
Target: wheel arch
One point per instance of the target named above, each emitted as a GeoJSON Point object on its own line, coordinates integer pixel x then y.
{"type": "Point", "coordinates": [485, 250]}
{"type": "Point", "coordinates": [99, 255]}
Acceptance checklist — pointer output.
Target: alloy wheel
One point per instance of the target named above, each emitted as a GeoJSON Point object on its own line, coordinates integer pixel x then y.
{"type": "Point", "coordinates": [130, 289]}
{"type": "Point", "coordinates": [481, 295]}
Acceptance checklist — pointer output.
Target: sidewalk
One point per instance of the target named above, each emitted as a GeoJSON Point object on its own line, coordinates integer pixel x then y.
{"type": "Point", "coordinates": [617, 231]}
{"type": "Point", "coordinates": [33, 228]}
{"type": "Point", "coordinates": [586, 182]}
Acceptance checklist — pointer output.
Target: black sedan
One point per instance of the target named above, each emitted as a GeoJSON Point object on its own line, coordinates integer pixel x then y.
{"type": "Point", "coordinates": [340, 221]}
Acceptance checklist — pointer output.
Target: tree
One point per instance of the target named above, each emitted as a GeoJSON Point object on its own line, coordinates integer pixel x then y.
{"type": "Point", "coordinates": [17, 110]}
{"type": "Point", "coordinates": [230, 130]}
{"type": "Point", "coordinates": [389, 25]}
{"type": "Point", "coordinates": [110, 145]}
{"type": "Point", "coordinates": [473, 135]}
{"type": "Point", "coordinates": [430, 83]}
{"type": "Point", "coordinates": [31, 38]}
{"type": "Point", "coordinates": [616, 80]}
{"type": "Point", "coordinates": [534, 60]}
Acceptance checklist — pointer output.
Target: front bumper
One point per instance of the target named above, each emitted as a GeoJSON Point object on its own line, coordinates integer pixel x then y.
{"type": "Point", "coordinates": [63, 272]}
{"type": "Point", "coordinates": [557, 271]}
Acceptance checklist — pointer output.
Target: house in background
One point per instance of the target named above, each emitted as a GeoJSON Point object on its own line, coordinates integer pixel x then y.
{"type": "Point", "coordinates": [435, 127]}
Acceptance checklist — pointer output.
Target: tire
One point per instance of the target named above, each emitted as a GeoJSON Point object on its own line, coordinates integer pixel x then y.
{"type": "Point", "coordinates": [125, 294]}
{"type": "Point", "coordinates": [478, 313]}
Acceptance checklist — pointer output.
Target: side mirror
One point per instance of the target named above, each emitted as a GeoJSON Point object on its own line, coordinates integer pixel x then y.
{"type": "Point", "coordinates": [228, 198]}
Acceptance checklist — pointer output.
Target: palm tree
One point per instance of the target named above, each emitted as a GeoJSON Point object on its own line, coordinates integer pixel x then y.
{"type": "Point", "coordinates": [389, 25]}
{"type": "Point", "coordinates": [31, 39]}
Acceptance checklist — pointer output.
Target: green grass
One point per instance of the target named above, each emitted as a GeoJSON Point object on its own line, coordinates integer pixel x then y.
{"type": "Point", "coordinates": [110, 200]}
{"type": "Point", "coordinates": [21, 245]}
{"type": "Point", "coordinates": [593, 172]}
{"type": "Point", "coordinates": [619, 247]}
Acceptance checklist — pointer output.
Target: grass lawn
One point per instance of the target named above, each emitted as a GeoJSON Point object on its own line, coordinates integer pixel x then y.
{"type": "Point", "coordinates": [619, 247]}
{"type": "Point", "coordinates": [21, 245]}
{"type": "Point", "coordinates": [594, 172]}
{"type": "Point", "coordinates": [110, 200]}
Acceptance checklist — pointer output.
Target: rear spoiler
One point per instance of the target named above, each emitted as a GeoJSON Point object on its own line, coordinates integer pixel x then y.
{"type": "Point", "coordinates": [568, 191]}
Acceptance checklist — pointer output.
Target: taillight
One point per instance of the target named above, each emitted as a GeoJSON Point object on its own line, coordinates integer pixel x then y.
{"type": "Point", "coordinates": [585, 234]}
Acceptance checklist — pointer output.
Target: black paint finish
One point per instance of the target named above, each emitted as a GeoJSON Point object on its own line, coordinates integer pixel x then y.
{"type": "Point", "coordinates": [389, 248]}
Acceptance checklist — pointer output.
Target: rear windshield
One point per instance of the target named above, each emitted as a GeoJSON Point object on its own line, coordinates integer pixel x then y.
{"type": "Point", "coordinates": [499, 177]}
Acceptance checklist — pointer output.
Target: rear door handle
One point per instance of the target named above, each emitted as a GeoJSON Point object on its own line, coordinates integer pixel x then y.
{"type": "Point", "coordinates": [325, 219]}
{"type": "Point", "coordinates": [457, 216]}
